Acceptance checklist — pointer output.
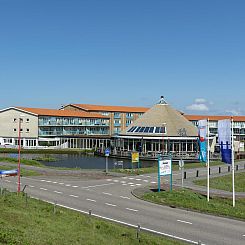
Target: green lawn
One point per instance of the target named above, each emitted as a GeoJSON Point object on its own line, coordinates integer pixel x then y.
{"type": "Point", "coordinates": [24, 161]}
{"type": "Point", "coordinates": [154, 169]}
{"type": "Point", "coordinates": [225, 182]}
{"type": "Point", "coordinates": [195, 201]}
{"type": "Point", "coordinates": [37, 224]}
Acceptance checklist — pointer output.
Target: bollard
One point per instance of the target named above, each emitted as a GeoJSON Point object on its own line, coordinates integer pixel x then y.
{"type": "Point", "coordinates": [199, 242]}
{"type": "Point", "coordinates": [90, 212]}
{"type": "Point", "coordinates": [209, 171]}
{"type": "Point", "coordinates": [197, 173]}
{"type": "Point", "coordinates": [229, 168]}
{"type": "Point", "coordinates": [237, 167]}
{"type": "Point", "coordinates": [138, 232]}
{"type": "Point", "coordinates": [184, 175]}
{"type": "Point", "coordinates": [219, 170]}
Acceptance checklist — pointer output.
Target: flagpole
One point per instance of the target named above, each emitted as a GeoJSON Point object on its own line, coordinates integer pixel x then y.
{"type": "Point", "coordinates": [233, 162]}
{"type": "Point", "coordinates": [208, 159]}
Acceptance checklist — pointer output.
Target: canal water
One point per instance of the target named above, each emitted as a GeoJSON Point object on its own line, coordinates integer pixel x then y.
{"type": "Point", "coordinates": [80, 161]}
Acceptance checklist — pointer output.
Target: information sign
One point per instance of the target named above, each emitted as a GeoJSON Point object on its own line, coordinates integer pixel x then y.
{"type": "Point", "coordinates": [135, 157]}
{"type": "Point", "coordinates": [165, 167]}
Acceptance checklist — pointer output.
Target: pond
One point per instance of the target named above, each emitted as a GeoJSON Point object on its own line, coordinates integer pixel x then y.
{"type": "Point", "coordinates": [80, 161]}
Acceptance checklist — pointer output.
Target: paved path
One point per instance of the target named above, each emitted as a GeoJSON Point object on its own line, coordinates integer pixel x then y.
{"type": "Point", "coordinates": [111, 198]}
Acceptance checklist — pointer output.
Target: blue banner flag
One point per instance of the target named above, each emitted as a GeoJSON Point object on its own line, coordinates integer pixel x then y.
{"type": "Point", "coordinates": [224, 135]}
{"type": "Point", "coordinates": [202, 140]}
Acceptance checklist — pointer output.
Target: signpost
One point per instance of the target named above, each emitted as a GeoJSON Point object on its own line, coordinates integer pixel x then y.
{"type": "Point", "coordinates": [107, 154]}
{"type": "Point", "coordinates": [135, 159]}
{"type": "Point", "coordinates": [164, 169]}
{"type": "Point", "coordinates": [181, 167]}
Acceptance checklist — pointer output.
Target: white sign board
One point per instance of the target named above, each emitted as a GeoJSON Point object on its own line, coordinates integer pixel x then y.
{"type": "Point", "coordinates": [165, 167]}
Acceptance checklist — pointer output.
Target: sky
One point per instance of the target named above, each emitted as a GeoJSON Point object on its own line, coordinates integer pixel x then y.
{"type": "Point", "coordinates": [124, 52]}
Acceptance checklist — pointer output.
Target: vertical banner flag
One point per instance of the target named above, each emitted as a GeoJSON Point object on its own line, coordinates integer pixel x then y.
{"type": "Point", "coordinates": [224, 135]}
{"type": "Point", "coordinates": [202, 134]}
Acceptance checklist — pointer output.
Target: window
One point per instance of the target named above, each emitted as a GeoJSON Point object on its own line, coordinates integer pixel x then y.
{"type": "Point", "coordinates": [15, 129]}
{"type": "Point", "coordinates": [21, 130]}
{"type": "Point", "coordinates": [117, 114]}
{"type": "Point", "coordinates": [27, 130]}
{"type": "Point", "coordinates": [27, 120]}
{"type": "Point", "coordinates": [15, 120]}
{"type": "Point", "coordinates": [105, 113]}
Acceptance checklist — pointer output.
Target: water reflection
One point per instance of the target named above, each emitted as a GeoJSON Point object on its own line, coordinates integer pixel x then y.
{"type": "Point", "coordinates": [79, 161]}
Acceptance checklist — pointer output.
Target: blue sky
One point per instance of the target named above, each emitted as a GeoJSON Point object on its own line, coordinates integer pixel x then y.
{"type": "Point", "coordinates": [126, 52]}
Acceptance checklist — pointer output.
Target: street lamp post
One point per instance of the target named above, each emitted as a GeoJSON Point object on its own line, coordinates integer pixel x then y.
{"type": "Point", "coordinates": [19, 139]}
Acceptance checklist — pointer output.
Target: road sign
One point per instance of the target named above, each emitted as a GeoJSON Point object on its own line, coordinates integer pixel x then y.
{"type": "Point", "coordinates": [181, 163]}
{"type": "Point", "coordinates": [135, 157]}
{"type": "Point", "coordinates": [107, 152]}
{"type": "Point", "coordinates": [165, 167]}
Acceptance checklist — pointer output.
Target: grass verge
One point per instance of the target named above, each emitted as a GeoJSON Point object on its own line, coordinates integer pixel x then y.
{"type": "Point", "coordinates": [225, 182]}
{"type": "Point", "coordinates": [24, 161]}
{"type": "Point", "coordinates": [195, 201]}
{"type": "Point", "coordinates": [35, 222]}
{"type": "Point", "coordinates": [154, 168]}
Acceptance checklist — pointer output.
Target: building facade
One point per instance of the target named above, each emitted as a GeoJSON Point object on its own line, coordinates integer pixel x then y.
{"type": "Point", "coordinates": [120, 116]}
{"type": "Point", "coordinates": [57, 128]}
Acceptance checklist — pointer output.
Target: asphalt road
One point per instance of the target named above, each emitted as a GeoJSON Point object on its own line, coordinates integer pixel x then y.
{"type": "Point", "coordinates": [111, 198]}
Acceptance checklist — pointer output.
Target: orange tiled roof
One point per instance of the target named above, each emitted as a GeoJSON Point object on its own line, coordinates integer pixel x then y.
{"type": "Point", "coordinates": [105, 108]}
{"type": "Point", "coordinates": [61, 113]}
{"type": "Point", "coordinates": [214, 118]}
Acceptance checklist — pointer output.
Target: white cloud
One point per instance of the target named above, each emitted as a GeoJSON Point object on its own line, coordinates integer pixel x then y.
{"type": "Point", "coordinates": [200, 101]}
{"type": "Point", "coordinates": [197, 107]}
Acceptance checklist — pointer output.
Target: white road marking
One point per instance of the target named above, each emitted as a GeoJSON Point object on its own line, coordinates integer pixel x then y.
{"type": "Point", "coordinates": [7, 180]}
{"type": "Point", "coordinates": [124, 177]}
{"type": "Point", "coordinates": [137, 179]}
{"type": "Point", "coordinates": [130, 183]}
{"type": "Point", "coordinates": [54, 182]}
{"type": "Point", "coordinates": [106, 193]}
{"type": "Point", "coordinates": [109, 180]}
{"type": "Point", "coordinates": [116, 180]}
{"type": "Point", "coordinates": [138, 184]}
{"type": "Point", "coordinates": [48, 181]}
{"type": "Point", "coordinates": [109, 204]}
{"type": "Point", "coordinates": [97, 185]}
{"type": "Point", "coordinates": [68, 185]}
{"type": "Point", "coordinates": [61, 183]}
{"type": "Point", "coordinates": [73, 196]}
{"type": "Point", "coordinates": [134, 210]}
{"type": "Point", "coordinates": [32, 186]}
{"type": "Point", "coordinates": [43, 180]}
{"type": "Point", "coordinates": [153, 182]}
{"type": "Point", "coordinates": [43, 189]}
{"type": "Point", "coordinates": [128, 224]}
{"type": "Point", "coordinates": [123, 182]}
{"type": "Point", "coordinates": [91, 200]}
{"type": "Point", "coordinates": [147, 176]}
{"type": "Point", "coordinates": [74, 186]}
{"type": "Point", "coordinates": [130, 178]}
{"type": "Point", "coordinates": [243, 235]}
{"type": "Point", "coordinates": [125, 197]}
{"type": "Point", "coordinates": [145, 180]}
{"type": "Point", "coordinates": [183, 221]}
{"type": "Point", "coordinates": [58, 192]}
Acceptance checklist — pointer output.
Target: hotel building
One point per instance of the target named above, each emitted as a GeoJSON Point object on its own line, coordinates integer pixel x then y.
{"type": "Point", "coordinates": [56, 128]}
{"type": "Point", "coordinates": [120, 116]}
